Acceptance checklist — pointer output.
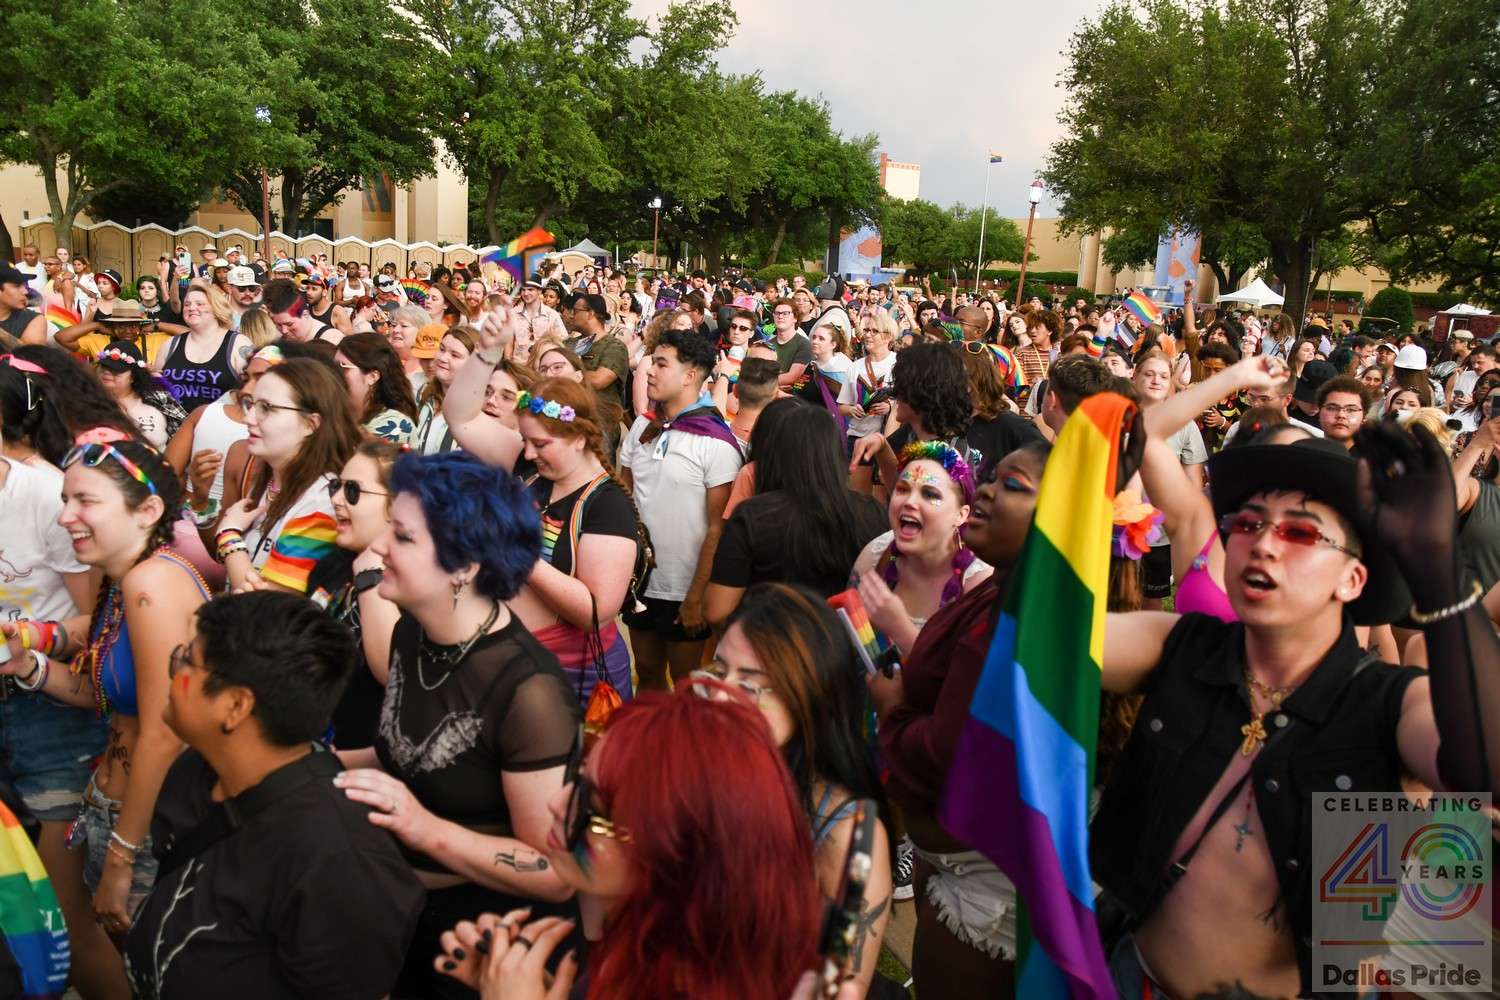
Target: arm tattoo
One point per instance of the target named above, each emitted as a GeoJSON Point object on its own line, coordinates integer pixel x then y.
{"type": "Point", "coordinates": [868, 917]}
{"type": "Point", "coordinates": [522, 860]}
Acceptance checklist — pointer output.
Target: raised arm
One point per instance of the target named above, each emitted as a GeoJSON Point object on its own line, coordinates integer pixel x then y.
{"type": "Point", "coordinates": [463, 405]}
{"type": "Point", "coordinates": [1173, 413]}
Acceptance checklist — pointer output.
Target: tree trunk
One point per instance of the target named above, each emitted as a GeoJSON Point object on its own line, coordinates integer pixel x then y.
{"type": "Point", "coordinates": [543, 213]}
{"type": "Point", "coordinates": [491, 196]}
{"type": "Point", "coordinates": [711, 245]}
{"type": "Point", "coordinates": [291, 202]}
{"type": "Point", "coordinates": [835, 234]}
{"type": "Point", "coordinates": [1291, 261]}
{"type": "Point", "coordinates": [62, 215]}
{"type": "Point", "coordinates": [780, 238]}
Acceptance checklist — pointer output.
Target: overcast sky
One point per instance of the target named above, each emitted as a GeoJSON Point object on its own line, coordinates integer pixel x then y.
{"type": "Point", "coordinates": [942, 83]}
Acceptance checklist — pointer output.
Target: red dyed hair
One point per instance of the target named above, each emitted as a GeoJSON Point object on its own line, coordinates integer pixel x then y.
{"type": "Point", "coordinates": [724, 902]}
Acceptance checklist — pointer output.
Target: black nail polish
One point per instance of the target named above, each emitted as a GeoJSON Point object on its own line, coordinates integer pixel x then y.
{"type": "Point", "coordinates": [449, 966]}
{"type": "Point", "coordinates": [488, 934]}
{"type": "Point", "coordinates": [458, 953]}
{"type": "Point", "coordinates": [483, 947]}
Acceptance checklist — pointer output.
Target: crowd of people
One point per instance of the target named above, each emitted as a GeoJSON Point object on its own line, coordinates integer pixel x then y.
{"type": "Point", "coordinates": [430, 635]}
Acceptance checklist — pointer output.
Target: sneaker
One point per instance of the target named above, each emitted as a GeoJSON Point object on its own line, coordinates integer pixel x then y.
{"type": "Point", "coordinates": [901, 872]}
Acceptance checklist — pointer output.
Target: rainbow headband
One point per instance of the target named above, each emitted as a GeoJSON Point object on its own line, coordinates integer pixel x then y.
{"type": "Point", "coordinates": [544, 407]}
{"type": "Point", "coordinates": [945, 455]}
{"type": "Point", "coordinates": [271, 354]}
{"type": "Point", "coordinates": [95, 445]}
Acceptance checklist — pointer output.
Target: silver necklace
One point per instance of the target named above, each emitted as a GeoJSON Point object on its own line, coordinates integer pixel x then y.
{"type": "Point", "coordinates": [451, 660]}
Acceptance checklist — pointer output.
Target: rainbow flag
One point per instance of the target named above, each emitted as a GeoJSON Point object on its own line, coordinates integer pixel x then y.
{"type": "Point", "coordinates": [1012, 375]}
{"type": "Point", "coordinates": [996, 158]}
{"type": "Point", "coordinates": [302, 542]}
{"type": "Point", "coordinates": [416, 290]}
{"type": "Point", "coordinates": [1024, 765]}
{"type": "Point", "coordinates": [512, 256]}
{"type": "Point", "coordinates": [60, 317]}
{"type": "Point", "coordinates": [1142, 308]}
{"type": "Point", "coordinates": [873, 646]}
{"type": "Point", "coordinates": [30, 917]}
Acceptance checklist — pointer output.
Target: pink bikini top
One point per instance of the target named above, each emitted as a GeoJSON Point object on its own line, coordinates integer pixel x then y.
{"type": "Point", "coordinates": [1197, 593]}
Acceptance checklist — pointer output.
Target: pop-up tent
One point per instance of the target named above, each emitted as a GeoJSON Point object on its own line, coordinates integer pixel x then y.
{"type": "Point", "coordinates": [589, 249]}
{"type": "Point", "coordinates": [1257, 294]}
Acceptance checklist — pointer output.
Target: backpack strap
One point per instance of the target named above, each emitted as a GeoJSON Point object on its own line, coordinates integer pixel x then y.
{"type": "Point", "coordinates": [575, 520]}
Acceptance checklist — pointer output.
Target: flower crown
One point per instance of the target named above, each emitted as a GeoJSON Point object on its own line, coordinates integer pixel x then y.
{"type": "Point", "coordinates": [945, 455]}
{"type": "Point", "coordinates": [115, 354]}
{"type": "Point", "coordinates": [544, 407]}
{"type": "Point", "coordinates": [1137, 525]}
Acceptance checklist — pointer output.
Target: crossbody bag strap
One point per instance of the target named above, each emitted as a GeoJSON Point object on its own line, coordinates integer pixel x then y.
{"type": "Point", "coordinates": [230, 815]}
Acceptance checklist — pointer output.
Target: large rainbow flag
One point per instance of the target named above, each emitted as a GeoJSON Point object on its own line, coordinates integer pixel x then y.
{"type": "Point", "coordinates": [512, 257]}
{"type": "Point", "coordinates": [60, 317]}
{"type": "Point", "coordinates": [30, 917]}
{"type": "Point", "coordinates": [1142, 308]}
{"type": "Point", "coordinates": [1019, 787]}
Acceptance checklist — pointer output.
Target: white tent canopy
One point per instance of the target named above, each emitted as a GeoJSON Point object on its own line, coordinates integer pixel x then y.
{"type": "Point", "coordinates": [1257, 294]}
{"type": "Point", "coordinates": [1464, 309]}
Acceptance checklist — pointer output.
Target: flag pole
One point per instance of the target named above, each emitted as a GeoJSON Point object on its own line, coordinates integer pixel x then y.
{"type": "Point", "coordinates": [983, 217]}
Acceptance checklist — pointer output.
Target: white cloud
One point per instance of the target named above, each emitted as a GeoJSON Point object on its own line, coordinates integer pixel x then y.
{"type": "Point", "coordinates": [942, 83]}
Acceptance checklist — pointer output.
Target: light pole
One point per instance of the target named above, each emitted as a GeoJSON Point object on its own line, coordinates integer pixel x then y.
{"type": "Point", "coordinates": [1033, 195]}
{"type": "Point", "coordinates": [655, 229]}
{"type": "Point", "coordinates": [263, 115]}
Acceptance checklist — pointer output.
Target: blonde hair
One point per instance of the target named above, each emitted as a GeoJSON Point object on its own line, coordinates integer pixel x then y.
{"type": "Point", "coordinates": [259, 327]}
{"type": "Point", "coordinates": [1436, 421]}
{"type": "Point", "coordinates": [218, 302]}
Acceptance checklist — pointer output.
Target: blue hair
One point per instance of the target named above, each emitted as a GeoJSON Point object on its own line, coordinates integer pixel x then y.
{"type": "Point", "coordinates": [475, 514]}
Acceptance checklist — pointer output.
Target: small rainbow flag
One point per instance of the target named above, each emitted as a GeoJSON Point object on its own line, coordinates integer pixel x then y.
{"type": "Point", "coordinates": [1012, 375]}
{"type": "Point", "coordinates": [873, 646]}
{"type": "Point", "coordinates": [996, 157]}
{"type": "Point", "coordinates": [1142, 308]}
{"type": "Point", "coordinates": [60, 317]}
{"type": "Point", "coordinates": [731, 366]}
{"type": "Point", "coordinates": [1019, 788]}
{"type": "Point", "coordinates": [511, 258]}
{"type": "Point", "coordinates": [416, 290]}
{"type": "Point", "coordinates": [33, 921]}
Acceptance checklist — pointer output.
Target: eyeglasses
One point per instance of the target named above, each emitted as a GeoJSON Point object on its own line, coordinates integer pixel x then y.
{"type": "Point", "coordinates": [262, 408]}
{"type": "Point", "coordinates": [1343, 411]}
{"type": "Point", "coordinates": [181, 656]}
{"type": "Point", "coordinates": [782, 312]}
{"type": "Point", "coordinates": [1303, 533]}
{"type": "Point", "coordinates": [706, 691]}
{"type": "Point", "coordinates": [352, 490]}
{"type": "Point", "coordinates": [93, 454]}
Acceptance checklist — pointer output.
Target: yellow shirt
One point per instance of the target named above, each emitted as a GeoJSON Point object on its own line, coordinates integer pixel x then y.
{"type": "Point", "coordinates": [90, 344]}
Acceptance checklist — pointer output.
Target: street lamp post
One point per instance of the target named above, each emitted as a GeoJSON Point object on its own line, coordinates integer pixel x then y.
{"type": "Point", "coordinates": [263, 115]}
{"type": "Point", "coordinates": [1033, 195]}
{"type": "Point", "coordinates": [655, 228]}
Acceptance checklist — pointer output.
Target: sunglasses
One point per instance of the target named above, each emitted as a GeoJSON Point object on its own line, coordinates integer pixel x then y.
{"type": "Point", "coordinates": [741, 327]}
{"type": "Point", "coordinates": [352, 490]}
{"type": "Point", "coordinates": [91, 455]}
{"type": "Point", "coordinates": [1303, 533]}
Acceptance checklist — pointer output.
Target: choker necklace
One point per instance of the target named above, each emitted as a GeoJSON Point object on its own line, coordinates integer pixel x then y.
{"type": "Point", "coordinates": [450, 656]}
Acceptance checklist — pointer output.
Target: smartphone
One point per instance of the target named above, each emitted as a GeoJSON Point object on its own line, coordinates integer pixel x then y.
{"type": "Point", "coordinates": [842, 929]}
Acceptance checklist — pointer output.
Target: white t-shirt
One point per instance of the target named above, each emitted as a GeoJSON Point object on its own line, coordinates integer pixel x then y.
{"type": "Point", "coordinates": [859, 376]}
{"type": "Point", "coordinates": [671, 475]}
{"type": "Point", "coordinates": [38, 275]}
{"type": "Point", "coordinates": [34, 549]}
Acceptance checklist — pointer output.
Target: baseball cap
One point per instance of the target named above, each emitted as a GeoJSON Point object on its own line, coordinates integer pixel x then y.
{"type": "Point", "coordinates": [1386, 345]}
{"type": "Point", "coordinates": [120, 356]}
{"type": "Point", "coordinates": [241, 276]}
{"type": "Point", "coordinates": [113, 276]}
{"type": "Point", "coordinates": [428, 339]}
{"type": "Point", "coordinates": [11, 276]}
{"type": "Point", "coordinates": [1411, 358]}
{"type": "Point", "coordinates": [1314, 374]}
{"type": "Point", "coordinates": [1463, 334]}
{"type": "Point", "coordinates": [282, 266]}
{"type": "Point", "coordinates": [386, 283]}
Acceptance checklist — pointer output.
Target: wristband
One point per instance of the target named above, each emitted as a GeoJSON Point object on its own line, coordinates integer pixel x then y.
{"type": "Point", "coordinates": [229, 548]}
{"type": "Point", "coordinates": [120, 855]}
{"type": "Point", "coordinates": [114, 836]}
{"type": "Point", "coordinates": [39, 670]}
{"type": "Point", "coordinates": [491, 362]}
{"type": "Point", "coordinates": [205, 517]}
{"type": "Point", "coordinates": [366, 579]}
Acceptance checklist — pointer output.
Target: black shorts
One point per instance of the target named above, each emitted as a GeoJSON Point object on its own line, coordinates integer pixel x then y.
{"type": "Point", "coordinates": [660, 618]}
{"type": "Point", "coordinates": [1156, 574]}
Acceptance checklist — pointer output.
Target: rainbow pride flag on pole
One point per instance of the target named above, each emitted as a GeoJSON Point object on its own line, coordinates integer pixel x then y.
{"type": "Point", "coordinates": [512, 257]}
{"type": "Point", "coordinates": [30, 917]}
{"type": "Point", "coordinates": [1019, 788]}
{"type": "Point", "coordinates": [1142, 308]}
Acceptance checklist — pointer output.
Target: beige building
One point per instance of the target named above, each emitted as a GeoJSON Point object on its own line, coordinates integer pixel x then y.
{"type": "Point", "coordinates": [433, 209]}
{"type": "Point", "coordinates": [900, 180]}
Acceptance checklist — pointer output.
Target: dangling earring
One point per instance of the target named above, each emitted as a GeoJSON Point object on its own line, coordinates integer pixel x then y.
{"type": "Point", "coordinates": [458, 588]}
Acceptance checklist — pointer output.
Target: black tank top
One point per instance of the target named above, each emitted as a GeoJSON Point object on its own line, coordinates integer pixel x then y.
{"type": "Point", "coordinates": [16, 323]}
{"type": "Point", "coordinates": [325, 317]}
{"type": "Point", "coordinates": [325, 328]}
{"type": "Point", "coordinates": [195, 384]}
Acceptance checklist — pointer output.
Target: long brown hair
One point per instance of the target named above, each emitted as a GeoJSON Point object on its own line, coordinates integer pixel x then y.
{"type": "Point", "coordinates": [433, 390]}
{"type": "Point", "coordinates": [985, 390]}
{"type": "Point", "coordinates": [318, 391]}
{"type": "Point", "coordinates": [370, 352]}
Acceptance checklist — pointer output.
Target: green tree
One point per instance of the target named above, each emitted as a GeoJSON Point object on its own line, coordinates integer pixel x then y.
{"type": "Point", "coordinates": [1241, 121]}
{"type": "Point", "coordinates": [919, 234]}
{"type": "Point", "coordinates": [101, 94]}
{"type": "Point", "coordinates": [1002, 238]}
{"type": "Point", "coordinates": [347, 105]}
{"type": "Point", "coordinates": [1393, 303]}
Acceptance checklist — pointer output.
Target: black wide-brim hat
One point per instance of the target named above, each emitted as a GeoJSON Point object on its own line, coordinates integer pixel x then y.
{"type": "Point", "coordinates": [1325, 471]}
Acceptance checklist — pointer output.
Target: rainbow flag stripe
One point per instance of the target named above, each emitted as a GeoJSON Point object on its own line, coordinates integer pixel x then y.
{"type": "Point", "coordinates": [512, 257]}
{"type": "Point", "coordinates": [60, 317]}
{"type": "Point", "coordinates": [551, 532]}
{"type": "Point", "coordinates": [30, 917]}
{"type": "Point", "coordinates": [1142, 308]}
{"type": "Point", "coordinates": [1012, 375]}
{"type": "Point", "coordinates": [1019, 787]}
{"type": "Point", "coordinates": [302, 542]}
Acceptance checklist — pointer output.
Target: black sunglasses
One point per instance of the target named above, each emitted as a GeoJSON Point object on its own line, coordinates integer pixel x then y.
{"type": "Point", "coordinates": [352, 490]}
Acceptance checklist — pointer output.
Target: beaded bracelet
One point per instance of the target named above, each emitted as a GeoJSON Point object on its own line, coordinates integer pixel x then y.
{"type": "Point", "coordinates": [1453, 609]}
{"type": "Point", "coordinates": [229, 548]}
{"type": "Point", "coordinates": [114, 835]}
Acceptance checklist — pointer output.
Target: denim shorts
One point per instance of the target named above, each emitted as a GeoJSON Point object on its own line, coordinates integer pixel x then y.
{"type": "Point", "coordinates": [90, 833]}
{"type": "Point", "coordinates": [47, 750]}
